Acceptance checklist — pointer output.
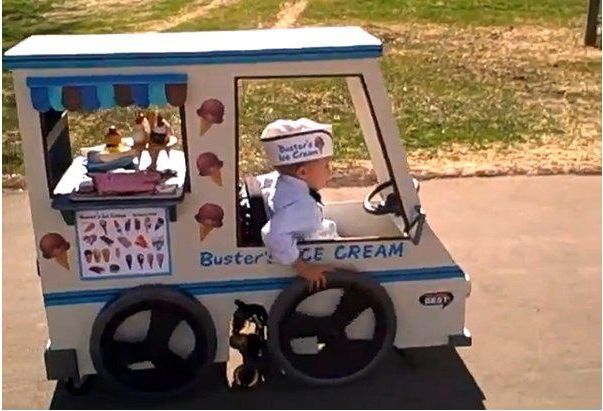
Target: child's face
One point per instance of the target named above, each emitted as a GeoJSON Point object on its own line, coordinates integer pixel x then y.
{"type": "Point", "coordinates": [316, 173]}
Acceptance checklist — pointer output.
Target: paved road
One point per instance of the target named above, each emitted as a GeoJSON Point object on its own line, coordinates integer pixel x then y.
{"type": "Point", "coordinates": [533, 249]}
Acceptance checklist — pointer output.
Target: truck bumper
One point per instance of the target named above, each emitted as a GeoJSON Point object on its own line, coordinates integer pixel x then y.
{"type": "Point", "coordinates": [460, 340]}
{"type": "Point", "coordinates": [60, 364]}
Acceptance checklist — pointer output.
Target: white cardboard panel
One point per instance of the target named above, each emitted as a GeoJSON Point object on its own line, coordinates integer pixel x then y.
{"type": "Point", "coordinates": [70, 325]}
{"type": "Point", "coordinates": [194, 42]}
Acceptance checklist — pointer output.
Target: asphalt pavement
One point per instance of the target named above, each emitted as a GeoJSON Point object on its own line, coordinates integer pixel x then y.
{"type": "Point", "coordinates": [532, 246]}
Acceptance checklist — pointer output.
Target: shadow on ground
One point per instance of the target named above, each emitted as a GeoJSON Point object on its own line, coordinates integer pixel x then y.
{"type": "Point", "coordinates": [427, 378]}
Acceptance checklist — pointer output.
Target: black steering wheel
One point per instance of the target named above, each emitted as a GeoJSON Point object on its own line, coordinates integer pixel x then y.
{"type": "Point", "coordinates": [391, 205]}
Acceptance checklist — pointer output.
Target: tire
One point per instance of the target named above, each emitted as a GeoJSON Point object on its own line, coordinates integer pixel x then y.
{"type": "Point", "coordinates": [367, 291]}
{"type": "Point", "coordinates": [171, 374]}
{"type": "Point", "coordinates": [81, 387]}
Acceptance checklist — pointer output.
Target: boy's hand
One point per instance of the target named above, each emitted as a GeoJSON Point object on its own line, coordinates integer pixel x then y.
{"type": "Point", "coordinates": [314, 273]}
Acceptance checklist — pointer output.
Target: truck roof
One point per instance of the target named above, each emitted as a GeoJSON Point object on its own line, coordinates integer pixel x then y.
{"type": "Point", "coordinates": [208, 47]}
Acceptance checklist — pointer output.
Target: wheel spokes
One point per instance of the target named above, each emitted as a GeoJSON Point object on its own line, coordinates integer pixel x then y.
{"type": "Point", "coordinates": [347, 347]}
{"type": "Point", "coordinates": [346, 356]}
{"type": "Point", "coordinates": [351, 304]}
{"type": "Point", "coordinates": [131, 352]}
{"type": "Point", "coordinates": [338, 358]}
{"type": "Point", "coordinates": [299, 325]}
{"type": "Point", "coordinates": [168, 361]}
{"type": "Point", "coordinates": [161, 327]}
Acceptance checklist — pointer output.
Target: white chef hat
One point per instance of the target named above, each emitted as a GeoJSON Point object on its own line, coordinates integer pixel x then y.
{"type": "Point", "coordinates": [296, 141]}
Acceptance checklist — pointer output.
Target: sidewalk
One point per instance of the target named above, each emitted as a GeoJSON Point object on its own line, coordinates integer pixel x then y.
{"type": "Point", "coordinates": [532, 246]}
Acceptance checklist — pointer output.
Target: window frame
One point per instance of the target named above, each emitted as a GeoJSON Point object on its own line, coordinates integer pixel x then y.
{"type": "Point", "coordinates": [404, 236]}
{"type": "Point", "coordinates": [47, 131]}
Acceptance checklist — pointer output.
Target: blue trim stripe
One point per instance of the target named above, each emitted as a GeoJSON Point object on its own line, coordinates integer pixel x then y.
{"type": "Point", "coordinates": [171, 78]}
{"type": "Point", "coordinates": [89, 97]}
{"type": "Point", "coordinates": [55, 96]}
{"type": "Point", "coordinates": [98, 92]}
{"type": "Point", "coordinates": [39, 98]}
{"type": "Point", "coordinates": [106, 95]}
{"type": "Point", "coordinates": [249, 285]}
{"type": "Point", "coordinates": [140, 94]}
{"type": "Point", "coordinates": [157, 94]}
{"type": "Point", "coordinates": [174, 59]}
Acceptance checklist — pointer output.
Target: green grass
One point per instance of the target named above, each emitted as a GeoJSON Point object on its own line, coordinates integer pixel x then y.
{"type": "Point", "coordinates": [439, 95]}
{"type": "Point", "coordinates": [436, 104]}
{"type": "Point", "coordinates": [168, 7]}
{"type": "Point", "coordinates": [433, 107]}
{"type": "Point", "coordinates": [323, 100]}
{"type": "Point", "coordinates": [12, 155]}
{"type": "Point", "coordinates": [240, 15]}
{"type": "Point", "coordinates": [22, 18]}
{"type": "Point", "coordinates": [467, 12]}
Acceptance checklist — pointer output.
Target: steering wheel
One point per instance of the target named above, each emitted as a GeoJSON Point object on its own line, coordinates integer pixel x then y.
{"type": "Point", "coordinates": [391, 205]}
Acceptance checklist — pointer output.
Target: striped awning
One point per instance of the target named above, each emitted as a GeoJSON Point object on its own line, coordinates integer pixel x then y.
{"type": "Point", "coordinates": [86, 93]}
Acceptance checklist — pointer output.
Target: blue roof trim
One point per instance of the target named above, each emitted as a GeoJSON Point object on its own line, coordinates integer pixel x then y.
{"type": "Point", "coordinates": [173, 59]}
{"type": "Point", "coordinates": [97, 91]}
{"type": "Point", "coordinates": [106, 79]}
{"type": "Point", "coordinates": [250, 285]}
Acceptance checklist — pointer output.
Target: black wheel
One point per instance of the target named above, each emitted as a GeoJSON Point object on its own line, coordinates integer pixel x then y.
{"type": "Point", "coordinates": [79, 387]}
{"type": "Point", "coordinates": [146, 363]}
{"type": "Point", "coordinates": [338, 359]}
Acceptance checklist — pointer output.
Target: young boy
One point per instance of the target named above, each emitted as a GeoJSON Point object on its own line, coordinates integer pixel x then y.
{"type": "Point", "coordinates": [300, 150]}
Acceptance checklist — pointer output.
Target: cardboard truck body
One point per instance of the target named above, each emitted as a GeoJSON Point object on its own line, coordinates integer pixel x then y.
{"type": "Point", "coordinates": [203, 254]}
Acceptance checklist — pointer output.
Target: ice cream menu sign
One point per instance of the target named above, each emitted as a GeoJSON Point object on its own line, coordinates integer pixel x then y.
{"type": "Point", "coordinates": [123, 242]}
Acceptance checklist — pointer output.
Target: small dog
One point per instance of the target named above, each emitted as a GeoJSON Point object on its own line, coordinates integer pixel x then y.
{"type": "Point", "coordinates": [248, 337]}
{"type": "Point", "coordinates": [248, 312]}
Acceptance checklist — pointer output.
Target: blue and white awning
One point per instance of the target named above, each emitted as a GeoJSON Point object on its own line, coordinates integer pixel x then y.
{"type": "Point", "coordinates": [87, 93]}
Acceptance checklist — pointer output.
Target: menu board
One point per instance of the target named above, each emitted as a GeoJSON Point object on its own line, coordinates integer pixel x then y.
{"type": "Point", "coordinates": [123, 242]}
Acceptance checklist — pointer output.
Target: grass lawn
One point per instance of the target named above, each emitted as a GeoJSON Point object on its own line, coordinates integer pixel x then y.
{"type": "Point", "coordinates": [466, 72]}
{"type": "Point", "coordinates": [464, 12]}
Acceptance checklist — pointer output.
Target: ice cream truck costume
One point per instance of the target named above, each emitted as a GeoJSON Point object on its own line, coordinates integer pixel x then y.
{"type": "Point", "coordinates": [141, 266]}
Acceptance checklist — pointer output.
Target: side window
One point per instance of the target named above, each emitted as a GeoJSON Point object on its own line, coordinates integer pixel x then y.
{"type": "Point", "coordinates": [56, 144]}
{"type": "Point", "coordinates": [67, 134]}
{"type": "Point", "coordinates": [325, 100]}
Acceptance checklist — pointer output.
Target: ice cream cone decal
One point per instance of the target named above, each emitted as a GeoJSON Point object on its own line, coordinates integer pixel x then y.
{"type": "Point", "coordinates": [209, 217]}
{"type": "Point", "coordinates": [211, 112]}
{"type": "Point", "coordinates": [106, 253]}
{"type": "Point", "coordinates": [217, 177]}
{"type": "Point", "coordinates": [54, 246]}
{"type": "Point", "coordinates": [204, 230]}
{"type": "Point", "coordinates": [63, 259]}
{"type": "Point", "coordinates": [209, 165]}
{"type": "Point", "coordinates": [204, 126]}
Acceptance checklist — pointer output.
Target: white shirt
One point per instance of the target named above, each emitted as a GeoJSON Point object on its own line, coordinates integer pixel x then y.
{"type": "Point", "coordinates": [295, 215]}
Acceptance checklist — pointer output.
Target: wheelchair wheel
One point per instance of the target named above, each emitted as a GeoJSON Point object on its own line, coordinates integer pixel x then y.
{"type": "Point", "coordinates": [145, 362]}
{"type": "Point", "coordinates": [338, 358]}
